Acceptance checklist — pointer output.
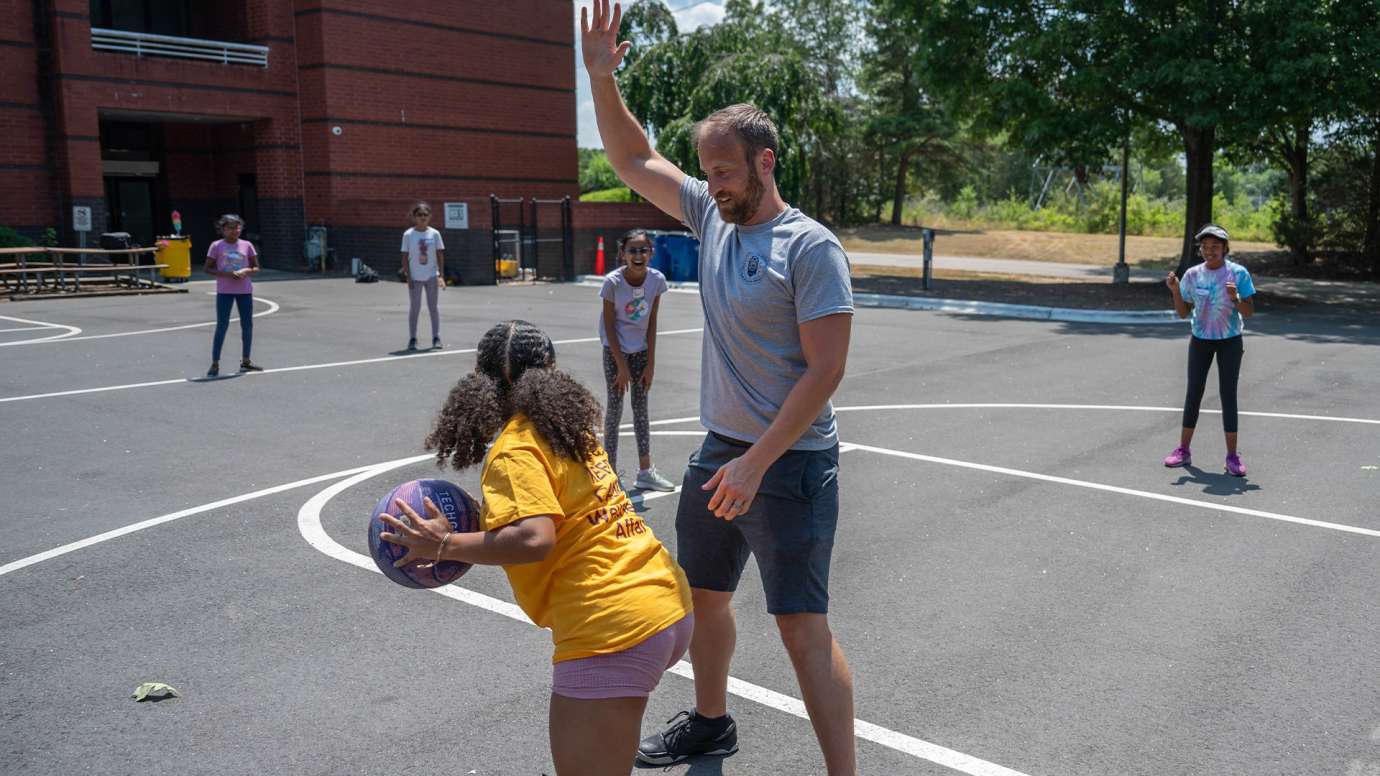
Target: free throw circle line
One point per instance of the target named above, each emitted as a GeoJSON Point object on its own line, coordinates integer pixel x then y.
{"type": "Point", "coordinates": [309, 524]}
{"type": "Point", "coordinates": [273, 307]}
{"type": "Point", "coordinates": [72, 331]}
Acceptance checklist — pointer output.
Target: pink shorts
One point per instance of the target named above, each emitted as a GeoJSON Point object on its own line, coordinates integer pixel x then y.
{"type": "Point", "coordinates": [632, 673]}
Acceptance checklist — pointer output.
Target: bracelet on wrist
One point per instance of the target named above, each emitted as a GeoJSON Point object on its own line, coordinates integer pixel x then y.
{"type": "Point", "coordinates": [441, 547]}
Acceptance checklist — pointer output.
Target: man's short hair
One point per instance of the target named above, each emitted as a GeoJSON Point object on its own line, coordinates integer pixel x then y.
{"type": "Point", "coordinates": [754, 128]}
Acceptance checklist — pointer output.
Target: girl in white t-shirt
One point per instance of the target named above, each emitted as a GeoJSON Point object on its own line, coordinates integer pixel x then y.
{"type": "Point", "coordinates": [424, 269]}
{"type": "Point", "coordinates": [632, 295]}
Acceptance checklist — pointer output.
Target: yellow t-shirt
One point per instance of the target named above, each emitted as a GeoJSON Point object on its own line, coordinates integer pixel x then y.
{"type": "Point", "coordinates": [608, 584]}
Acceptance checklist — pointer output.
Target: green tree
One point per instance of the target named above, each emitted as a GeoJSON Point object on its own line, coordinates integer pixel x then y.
{"type": "Point", "coordinates": [905, 118]}
{"type": "Point", "coordinates": [596, 174]}
{"type": "Point", "coordinates": [1070, 78]}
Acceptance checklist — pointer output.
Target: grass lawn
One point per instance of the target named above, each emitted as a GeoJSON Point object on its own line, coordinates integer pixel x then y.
{"type": "Point", "coordinates": [1145, 252]}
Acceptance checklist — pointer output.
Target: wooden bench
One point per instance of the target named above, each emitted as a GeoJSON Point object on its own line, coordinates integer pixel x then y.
{"type": "Point", "coordinates": [36, 277]}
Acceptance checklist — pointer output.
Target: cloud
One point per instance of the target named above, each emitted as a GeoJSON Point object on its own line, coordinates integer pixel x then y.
{"type": "Point", "coordinates": [688, 17]}
{"type": "Point", "coordinates": [699, 14]}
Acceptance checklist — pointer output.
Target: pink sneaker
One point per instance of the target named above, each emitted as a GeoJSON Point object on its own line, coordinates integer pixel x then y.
{"type": "Point", "coordinates": [1180, 457]}
{"type": "Point", "coordinates": [1234, 466]}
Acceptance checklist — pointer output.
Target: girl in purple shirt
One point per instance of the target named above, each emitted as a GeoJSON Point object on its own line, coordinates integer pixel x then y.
{"type": "Point", "coordinates": [232, 262]}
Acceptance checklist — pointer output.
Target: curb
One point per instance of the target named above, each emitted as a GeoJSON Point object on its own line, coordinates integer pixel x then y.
{"type": "Point", "coordinates": [971, 307]}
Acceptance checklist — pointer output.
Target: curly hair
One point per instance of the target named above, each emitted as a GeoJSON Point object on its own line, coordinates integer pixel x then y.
{"type": "Point", "coordinates": [514, 374]}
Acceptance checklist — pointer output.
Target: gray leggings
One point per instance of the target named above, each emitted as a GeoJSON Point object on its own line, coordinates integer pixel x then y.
{"type": "Point", "coordinates": [613, 411]}
{"type": "Point", "coordinates": [414, 293]}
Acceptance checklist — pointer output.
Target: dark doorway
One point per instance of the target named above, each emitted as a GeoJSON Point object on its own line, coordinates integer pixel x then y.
{"type": "Point", "coordinates": [249, 207]}
{"type": "Point", "coordinates": [130, 201]}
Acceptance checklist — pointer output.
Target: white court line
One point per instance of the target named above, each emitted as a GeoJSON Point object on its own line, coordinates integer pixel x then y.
{"type": "Point", "coordinates": [1016, 406]}
{"type": "Point", "coordinates": [72, 331]}
{"type": "Point", "coordinates": [26, 328]}
{"type": "Point", "coordinates": [1127, 407]}
{"type": "Point", "coordinates": [133, 527]}
{"type": "Point", "coordinates": [273, 307]}
{"type": "Point", "coordinates": [309, 524]}
{"type": "Point", "coordinates": [301, 368]}
{"type": "Point", "coordinates": [1124, 491]}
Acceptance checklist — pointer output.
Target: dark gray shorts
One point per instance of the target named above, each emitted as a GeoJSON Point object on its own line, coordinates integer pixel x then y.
{"type": "Point", "coordinates": [789, 527]}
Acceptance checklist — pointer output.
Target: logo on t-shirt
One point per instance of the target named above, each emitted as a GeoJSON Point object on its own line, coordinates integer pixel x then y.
{"type": "Point", "coordinates": [423, 248]}
{"type": "Point", "coordinates": [752, 270]}
{"type": "Point", "coordinates": [636, 308]}
{"type": "Point", "coordinates": [232, 261]}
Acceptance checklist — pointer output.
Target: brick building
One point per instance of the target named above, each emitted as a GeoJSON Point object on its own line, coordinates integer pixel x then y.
{"type": "Point", "coordinates": [296, 114]}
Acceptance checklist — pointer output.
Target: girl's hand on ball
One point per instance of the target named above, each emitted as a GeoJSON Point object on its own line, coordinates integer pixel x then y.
{"type": "Point", "coordinates": [421, 536]}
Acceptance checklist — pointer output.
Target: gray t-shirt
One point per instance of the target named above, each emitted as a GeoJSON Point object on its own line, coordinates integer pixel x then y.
{"type": "Point", "coordinates": [757, 285]}
{"type": "Point", "coordinates": [632, 308]}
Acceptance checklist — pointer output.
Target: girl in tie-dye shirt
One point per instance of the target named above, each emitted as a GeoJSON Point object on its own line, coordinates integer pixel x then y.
{"type": "Point", "coordinates": [1217, 295]}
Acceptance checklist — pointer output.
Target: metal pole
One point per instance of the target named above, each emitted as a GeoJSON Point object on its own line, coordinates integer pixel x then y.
{"type": "Point", "coordinates": [928, 235]}
{"type": "Point", "coordinates": [1121, 273]}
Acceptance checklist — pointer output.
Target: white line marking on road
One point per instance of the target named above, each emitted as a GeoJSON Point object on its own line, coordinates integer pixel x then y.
{"type": "Point", "coordinates": [309, 524]}
{"type": "Point", "coordinates": [301, 368]}
{"type": "Point", "coordinates": [133, 527]}
{"type": "Point", "coordinates": [26, 328]}
{"type": "Point", "coordinates": [72, 331]}
{"type": "Point", "coordinates": [273, 307]}
{"type": "Point", "coordinates": [1124, 491]}
{"type": "Point", "coordinates": [870, 407]}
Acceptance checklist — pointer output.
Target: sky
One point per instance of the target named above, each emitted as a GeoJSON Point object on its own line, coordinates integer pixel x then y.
{"type": "Point", "coordinates": [690, 14]}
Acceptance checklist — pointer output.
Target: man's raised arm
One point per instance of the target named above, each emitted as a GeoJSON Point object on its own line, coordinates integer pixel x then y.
{"type": "Point", "coordinates": [633, 158]}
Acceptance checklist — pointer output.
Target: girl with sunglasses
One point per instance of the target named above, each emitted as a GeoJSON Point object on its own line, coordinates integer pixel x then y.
{"type": "Point", "coordinates": [632, 295]}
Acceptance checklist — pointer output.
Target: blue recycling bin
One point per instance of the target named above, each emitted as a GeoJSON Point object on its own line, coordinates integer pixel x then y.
{"type": "Point", "coordinates": [677, 255]}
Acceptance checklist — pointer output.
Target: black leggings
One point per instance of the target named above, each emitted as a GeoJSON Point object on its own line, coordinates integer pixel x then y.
{"type": "Point", "coordinates": [1200, 353]}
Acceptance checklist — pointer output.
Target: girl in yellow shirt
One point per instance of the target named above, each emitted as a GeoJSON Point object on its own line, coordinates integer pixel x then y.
{"type": "Point", "coordinates": [580, 560]}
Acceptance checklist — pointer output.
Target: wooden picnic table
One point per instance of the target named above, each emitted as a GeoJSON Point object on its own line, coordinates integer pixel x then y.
{"type": "Point", "coordinates": [25, 276]}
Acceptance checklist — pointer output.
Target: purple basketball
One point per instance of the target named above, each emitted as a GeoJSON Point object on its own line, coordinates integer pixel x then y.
{"type": "Point", "coordinates": [454, 503]}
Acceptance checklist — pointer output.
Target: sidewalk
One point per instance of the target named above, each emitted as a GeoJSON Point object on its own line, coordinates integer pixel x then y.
{"type": "Point", "coordinates": [1000, 266]}
{"type": "Point", "coordinates": [1314, 291]}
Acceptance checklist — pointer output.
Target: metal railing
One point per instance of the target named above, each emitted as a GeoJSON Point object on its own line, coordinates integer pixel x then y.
{"type": "Point", "coordinates": [146, 44]}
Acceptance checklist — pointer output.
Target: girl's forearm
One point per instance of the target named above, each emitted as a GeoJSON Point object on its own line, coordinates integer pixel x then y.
{"type": "Point", "coordinates": [506, 546]}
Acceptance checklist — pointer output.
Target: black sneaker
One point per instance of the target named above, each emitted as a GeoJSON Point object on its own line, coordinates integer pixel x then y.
{"type": "Point", "coordinates": [412, 344]}
{"type": "Point", "coordinates": [436, 343]}
{"type": "Point", "coordinates": [249, 366]}
{"type": "Point", "coordinates": [688, 734]}
{"type": "Point", "coordinates": [214, 371]}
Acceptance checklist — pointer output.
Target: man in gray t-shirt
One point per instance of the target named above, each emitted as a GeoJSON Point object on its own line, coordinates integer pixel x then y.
{"type": "Point", "coordinates": [757, 284]}
{"type": "Point", "coordinates": [778, 309]}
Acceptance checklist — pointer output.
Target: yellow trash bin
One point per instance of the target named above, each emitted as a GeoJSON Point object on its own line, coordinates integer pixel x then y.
{"type": "Point", "coordinates": [506, 267]}
{"type": "Point", "coordinates": [176, 252]}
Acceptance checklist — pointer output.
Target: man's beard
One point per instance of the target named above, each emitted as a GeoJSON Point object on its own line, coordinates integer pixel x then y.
{"type": "Point", "coordinates": [740, 210]}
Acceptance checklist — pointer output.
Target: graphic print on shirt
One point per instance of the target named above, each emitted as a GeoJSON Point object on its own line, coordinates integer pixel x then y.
{"type": "Point", "coordinates": [232, 261]}
{"type": "Point", "coordinates": [423, 248]}
{"type": "Point", "coordinates": [637, 306]}
{"type": "Point", "coordinates": [621, 511]}
{"type": "Point", "coordinates": [752, 270]}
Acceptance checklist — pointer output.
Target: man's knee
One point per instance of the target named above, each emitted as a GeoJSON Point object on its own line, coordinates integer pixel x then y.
{"type": "Point", "coordinates": [805, 634]}
{"type": "Point", "coordinates": [711, 604]}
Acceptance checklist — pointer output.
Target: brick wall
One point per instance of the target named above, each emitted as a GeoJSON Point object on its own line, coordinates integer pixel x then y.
{"type": "Point", "coordinates": [27, 200]}
{"type": "Point", "coordinates": [610, 220]}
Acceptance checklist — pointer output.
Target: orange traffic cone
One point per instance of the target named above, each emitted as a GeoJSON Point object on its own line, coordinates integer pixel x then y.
{"type": "Point", "coordinates": [599, 257]}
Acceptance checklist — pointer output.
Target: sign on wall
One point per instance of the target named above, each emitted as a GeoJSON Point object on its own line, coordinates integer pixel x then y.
{"type": "Point", "coordinates": [81, 219]}
{"type": "Point", "coordinates": [457, 215]}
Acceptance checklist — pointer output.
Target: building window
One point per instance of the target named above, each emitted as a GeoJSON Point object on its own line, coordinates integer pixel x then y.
{"type": "Point", "coordinates": [159, 17]}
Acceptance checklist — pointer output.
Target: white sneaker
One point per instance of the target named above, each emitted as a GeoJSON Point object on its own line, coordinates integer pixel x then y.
{"type": "Point", "coordinates": [649, 479]}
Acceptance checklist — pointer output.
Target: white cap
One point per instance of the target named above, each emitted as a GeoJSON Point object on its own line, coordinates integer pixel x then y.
{"type": "Point", "coordinates": [1212, 230]}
